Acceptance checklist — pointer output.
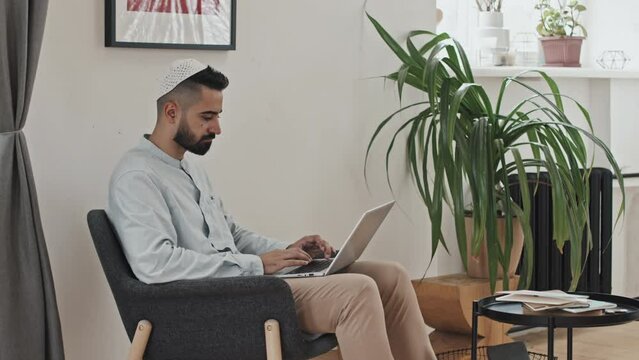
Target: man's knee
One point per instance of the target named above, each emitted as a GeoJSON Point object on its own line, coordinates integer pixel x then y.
{"type": "Point", "coordinates": [361, 286]}
{"type": "Point", "coordinates": [391, 274]}
{"type": "Point", "coordinates": [363, 294]}
{"type": "Point", "coordinates": [398, 269]}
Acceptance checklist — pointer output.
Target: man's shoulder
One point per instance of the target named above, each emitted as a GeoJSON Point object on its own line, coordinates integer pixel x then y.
{"type": "Point", "coordinates": [134, 161]}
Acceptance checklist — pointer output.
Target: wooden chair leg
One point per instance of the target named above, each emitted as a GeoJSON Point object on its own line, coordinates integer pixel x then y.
{"type": "Point", "coordinates": [140, 339]}
{"type": "Point", "coordinates": [273, 341]}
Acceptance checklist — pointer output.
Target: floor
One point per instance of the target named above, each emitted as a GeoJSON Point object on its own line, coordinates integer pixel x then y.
{"type": "Point", "coordinates": [614, 342]}
{"type": "Point", "coordinates": [606, 343]}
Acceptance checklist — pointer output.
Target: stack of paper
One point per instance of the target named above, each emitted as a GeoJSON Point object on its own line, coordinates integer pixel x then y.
{"type": "Point", "coordinates": [549, 300]}
{"type": "Point", "coordinates": [542, 307]}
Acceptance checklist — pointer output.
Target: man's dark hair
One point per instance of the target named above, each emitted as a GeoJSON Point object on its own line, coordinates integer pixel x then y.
{"type": "Point", "coordinates": [187, 92]}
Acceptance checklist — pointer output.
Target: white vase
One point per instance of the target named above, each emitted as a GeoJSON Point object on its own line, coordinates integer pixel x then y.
{"type": "Point", "coordinates": [491, 19]}
{"type": "Point", "coordinates": [492, 39]}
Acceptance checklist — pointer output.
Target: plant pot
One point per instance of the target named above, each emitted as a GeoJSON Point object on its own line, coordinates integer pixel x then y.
{"type": "Point", "coordinates": [493, 19]}
{"type": "Point", "coordinates": [562, 51]}
{"type": "Point", "coordinates": [478, 265]}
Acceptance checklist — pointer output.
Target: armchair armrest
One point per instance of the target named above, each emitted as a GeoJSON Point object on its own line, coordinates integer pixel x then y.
{"type": "Point", "coordinates": [213, 318]}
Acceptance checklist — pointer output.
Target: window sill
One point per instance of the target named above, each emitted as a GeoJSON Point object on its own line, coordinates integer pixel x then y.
{"type": "Point", "coordinates": [554, 72]}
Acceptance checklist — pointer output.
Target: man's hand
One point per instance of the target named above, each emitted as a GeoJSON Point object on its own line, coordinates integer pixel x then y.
{"type": "Point", "coordinates": [277, 260]}
{"type": "Point", "coordinates": [313, 244]}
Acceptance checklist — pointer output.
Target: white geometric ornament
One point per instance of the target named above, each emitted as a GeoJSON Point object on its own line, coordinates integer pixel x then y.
{"type": "Point", "coordinates": [613, 60]}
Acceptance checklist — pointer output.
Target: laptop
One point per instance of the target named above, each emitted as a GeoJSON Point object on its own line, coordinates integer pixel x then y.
{"type": "Point", "coordinates": [350, 252]}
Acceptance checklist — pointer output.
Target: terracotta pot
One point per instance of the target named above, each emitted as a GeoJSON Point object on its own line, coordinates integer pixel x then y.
{"type": "Point", "coordinates": [562, 51]}
{"type": "Point", "coordinates": [478, 266]}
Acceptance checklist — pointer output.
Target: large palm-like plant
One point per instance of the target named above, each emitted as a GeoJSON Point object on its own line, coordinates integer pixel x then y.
{"type": "Point", "coordinates": [458, 140]}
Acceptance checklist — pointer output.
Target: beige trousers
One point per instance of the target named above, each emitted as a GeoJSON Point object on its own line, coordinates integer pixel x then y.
{"type": "Point", "coordinates": [372, 309]}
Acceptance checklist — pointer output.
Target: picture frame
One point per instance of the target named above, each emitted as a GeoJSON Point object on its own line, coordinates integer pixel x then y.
{"type": "Point", "coordinates": [171, 24]}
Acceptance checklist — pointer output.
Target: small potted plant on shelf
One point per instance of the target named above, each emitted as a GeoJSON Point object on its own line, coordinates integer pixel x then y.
{"type": "Point", "coordinates": [493, 38]}
{"type": "Point", "coordinates": [489, 5]}
{"type": "Point", "coordinates": [561, 33]}
{"type": "Point", "coordinates": [458, 138]}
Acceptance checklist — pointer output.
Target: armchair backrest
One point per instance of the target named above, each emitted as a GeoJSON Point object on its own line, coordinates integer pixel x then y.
{"type": "Point", "coordinates": [114, 263]}
{"type": "Point", "coordinates": [108, 247]}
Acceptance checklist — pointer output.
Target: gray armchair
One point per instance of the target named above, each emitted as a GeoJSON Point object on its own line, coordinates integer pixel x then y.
{"type": "Point", "coordinates": [224, 318]}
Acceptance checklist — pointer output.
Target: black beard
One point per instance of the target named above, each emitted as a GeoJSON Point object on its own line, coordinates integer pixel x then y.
{"type": "Point", "coordinates": [187, 140]}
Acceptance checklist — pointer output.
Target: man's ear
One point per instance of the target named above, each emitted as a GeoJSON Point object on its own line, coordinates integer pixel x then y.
{"type": "Point", "coordinates": [170, 111]}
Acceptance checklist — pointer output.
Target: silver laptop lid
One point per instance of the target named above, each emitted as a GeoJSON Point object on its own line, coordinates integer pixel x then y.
{"type": "Point", "coordinates": [360, 237]}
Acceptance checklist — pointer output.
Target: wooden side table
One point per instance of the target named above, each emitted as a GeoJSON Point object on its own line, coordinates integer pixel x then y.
{"type": "Point", "coordinates": [446, 303]}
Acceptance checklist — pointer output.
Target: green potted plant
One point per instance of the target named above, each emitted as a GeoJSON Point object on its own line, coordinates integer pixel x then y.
{"type": "Point", "coordinates": [457, 138]}
{"type": "Point", "coordinates": [489, 5]}
{"type": "Point", "coordinates": [561, 33]}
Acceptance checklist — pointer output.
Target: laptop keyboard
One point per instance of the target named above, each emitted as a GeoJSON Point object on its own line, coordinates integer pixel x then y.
{"type": "Point", "coordinates": [314, 266]}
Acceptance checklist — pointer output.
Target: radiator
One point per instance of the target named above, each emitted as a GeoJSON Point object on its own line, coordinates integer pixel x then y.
{"type": "Point", "coordinates": [552, 268]}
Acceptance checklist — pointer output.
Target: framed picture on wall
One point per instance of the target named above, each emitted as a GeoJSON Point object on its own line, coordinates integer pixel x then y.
{"type": "Point", "coordinates": [172, 24]}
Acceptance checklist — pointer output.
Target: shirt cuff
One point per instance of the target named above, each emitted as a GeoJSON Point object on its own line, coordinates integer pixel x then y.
{"type": "Point", "coordinates": [282, 245]}
{"type": "Point", "coordinates": [253, 265]}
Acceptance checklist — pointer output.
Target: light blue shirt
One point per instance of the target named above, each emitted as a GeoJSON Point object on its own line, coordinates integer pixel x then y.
{"type": "Point", "coordinates": [171, 224]}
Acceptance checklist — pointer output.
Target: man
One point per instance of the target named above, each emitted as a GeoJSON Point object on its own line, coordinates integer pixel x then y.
{"type": "Point", "coordinates": [174, 227]}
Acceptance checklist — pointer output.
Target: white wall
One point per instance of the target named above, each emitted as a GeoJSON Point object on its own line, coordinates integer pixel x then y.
{"type": "Point", "coordinates": [297, 117]}
{"type": "Point", "coordinates": [613, 25]}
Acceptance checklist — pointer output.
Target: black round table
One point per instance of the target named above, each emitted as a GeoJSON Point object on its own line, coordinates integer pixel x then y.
{"type": "Point", "coordinates": [513, 313]}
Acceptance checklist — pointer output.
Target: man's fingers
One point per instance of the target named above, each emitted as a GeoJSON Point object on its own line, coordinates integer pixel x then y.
{"type": "Point", "coordinates": [304, 255]}
{"type": "Point", "coordinates": [326, 247]}
{"type": "Point", "coordinates": [313, 239]}
{"type": "Point", "coordinates": [322, 244]}
{"type": "Point", "coordinates": [313, 243]}
{"type": "Point", "coordinates": [297, 253]}
{"type": "Point", "coordinates": [287, 263]}
{"type": "Point", "coordinates": [328, 251]}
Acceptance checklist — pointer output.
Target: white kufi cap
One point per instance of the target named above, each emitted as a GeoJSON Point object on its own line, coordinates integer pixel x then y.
{"type": "Point", "coordinates": [179, 71]}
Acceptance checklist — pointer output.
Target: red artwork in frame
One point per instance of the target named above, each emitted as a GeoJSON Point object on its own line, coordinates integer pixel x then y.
{"type": "Point", "coordinates": [177, 24]}
{"type": "Point", "coordinates": [172, 6]}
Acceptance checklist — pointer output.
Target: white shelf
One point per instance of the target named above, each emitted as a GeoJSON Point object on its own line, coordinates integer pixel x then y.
{"type": "Point", "coordinates": [555, 72]}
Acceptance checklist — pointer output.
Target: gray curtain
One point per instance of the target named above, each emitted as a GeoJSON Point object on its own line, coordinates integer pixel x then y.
{"type": "Point", "coordinates": [29, 321]}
